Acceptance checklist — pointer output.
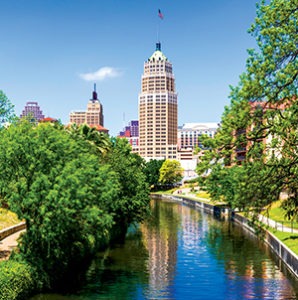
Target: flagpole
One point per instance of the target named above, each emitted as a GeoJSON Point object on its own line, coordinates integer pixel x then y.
{"type": "Point", "coordinates": [158, 27]}
{"type": "Point", "coordinates": [160, 18]}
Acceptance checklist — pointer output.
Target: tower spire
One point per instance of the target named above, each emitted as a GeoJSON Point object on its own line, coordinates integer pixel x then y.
{"type": "Point", "coordinates": [158, 46]}
{"type": "Point", "coordinates": [94, 94]}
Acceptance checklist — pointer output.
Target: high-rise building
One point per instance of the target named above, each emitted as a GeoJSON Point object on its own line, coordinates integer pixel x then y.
{"type": "Point", "coordinates": [158, 109]}
{"type": "Point", "coordinates": [32, 110]}
{"type": "Point", "coordinates": [93, 116]}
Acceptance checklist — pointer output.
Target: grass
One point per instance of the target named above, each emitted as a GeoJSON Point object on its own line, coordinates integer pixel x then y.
{"type": "Point", "coordinates": [289, 239]}
{"type": "Point", "coordinates": [276, 213]}
{"type": "Point", "coordinates": [170, 192]}
{"type": "Point", "coordinates": [7, 218]}
{"type": "Point", "coordinates": [202, 194]}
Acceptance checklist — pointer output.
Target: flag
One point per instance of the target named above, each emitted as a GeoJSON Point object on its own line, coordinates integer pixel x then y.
{"type": "Point", "coordinates": [160, 14]}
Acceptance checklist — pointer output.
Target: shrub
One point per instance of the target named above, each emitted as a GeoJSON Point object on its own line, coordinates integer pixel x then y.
{"type": "Point", "coordinates": [17, 280]}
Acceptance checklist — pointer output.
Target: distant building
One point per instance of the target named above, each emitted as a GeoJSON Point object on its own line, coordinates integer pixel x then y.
{"type": "Point", "coordinates": [33, 111]}
{"type": "Point", "coordinates": [131, 133]}
{"type": "Point", "coordinates": [93, 116]}
{"type": "Point", "coordinates": [189, 134]}
{"type": "Point", "coordinates": [188, 139]}
{"type": "Point", "coordinates": [158, 109]}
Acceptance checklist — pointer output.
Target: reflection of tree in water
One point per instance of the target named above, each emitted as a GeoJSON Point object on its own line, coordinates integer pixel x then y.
{"type": "Point", "coordinates": [148, 255]}
{"type": "Point", "coordinates": [118, 271]}
{"type": "Point", "coordinates": [160, 237]}
{"type": "Point", "coordinates": [230, 245]}
{"type": "Point", "coordinates": [246, 261]}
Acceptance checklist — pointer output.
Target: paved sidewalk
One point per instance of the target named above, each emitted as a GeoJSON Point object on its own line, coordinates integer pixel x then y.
{"type": "Point", "coordinates": [278, 226]}
{"type": "Point", "coordinates": [8, 244]}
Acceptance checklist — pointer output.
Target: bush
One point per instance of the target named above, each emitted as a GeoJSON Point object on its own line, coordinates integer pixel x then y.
{"type": "Point", "coordinates": [17, 280]}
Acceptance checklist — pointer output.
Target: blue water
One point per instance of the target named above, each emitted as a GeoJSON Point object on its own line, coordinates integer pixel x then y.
{"type": "Point", "coordinates": [181, 253]}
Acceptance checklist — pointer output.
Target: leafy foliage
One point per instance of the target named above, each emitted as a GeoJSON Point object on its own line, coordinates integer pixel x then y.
{"type": "Point", "coordinates": [264, 107]}
{"type": "Point", "coordinates": [6, 109]}
{"type": "Point", "coordinates": [17, 280]}
{"type": "Point", "coordinates": [99, 139]}
{"type": "Point", "coordinates": [152, 171]}
{"type": "Point", "coordinates": [60, 189]}
{"type": "Point", "coordinates": [171, 172]}
{"type": "Point", "coordinates": [132, 203]}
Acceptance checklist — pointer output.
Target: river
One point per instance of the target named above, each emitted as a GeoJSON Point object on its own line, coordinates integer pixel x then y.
{"type": "Point", "coordinates": [182, 253]}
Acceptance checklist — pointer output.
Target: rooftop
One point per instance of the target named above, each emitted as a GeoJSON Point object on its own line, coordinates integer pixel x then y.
{"type": "Point", "coordinates": [158, 55]}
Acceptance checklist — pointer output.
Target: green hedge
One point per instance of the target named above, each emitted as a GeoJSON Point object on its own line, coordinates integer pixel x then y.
{"type": "Point", "coordinates": [17, 280]}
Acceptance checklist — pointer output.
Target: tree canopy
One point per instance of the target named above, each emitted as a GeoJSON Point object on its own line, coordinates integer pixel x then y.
{"type": "Point", "coordinates": [152, 171]}
{"type": "Point", "coordinates": [133, 201]}
{"type": "Point", "coordinates": [73, 197]}
{"type": "Point", "coordinates": [261, 118]}
{"type": "Point", "coordinates": [6, 109]}
{"type": "Point", "coordinates": [171, 172]}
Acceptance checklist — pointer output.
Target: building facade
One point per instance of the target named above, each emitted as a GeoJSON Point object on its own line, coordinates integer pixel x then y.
{"type": "Point", "coordinates": [32, 110]}
{"type": "Point", "coordinates": [158, 109]}
{"type": "Point", "coordinates": [93, 116]}
{"type": "Point", "coordinates": [189, 134]}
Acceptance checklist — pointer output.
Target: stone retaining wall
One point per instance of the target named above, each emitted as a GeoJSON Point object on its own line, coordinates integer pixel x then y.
{"type": "Point", "coordinates": [10, 230]}
{"type": "Point", "coordinates": [289, 258]}
{"type": "Point", "coordinates": [217, 211]}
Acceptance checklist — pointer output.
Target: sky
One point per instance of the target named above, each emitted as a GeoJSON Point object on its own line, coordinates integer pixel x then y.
{"type": "Point", "coordinates": [53, 51]}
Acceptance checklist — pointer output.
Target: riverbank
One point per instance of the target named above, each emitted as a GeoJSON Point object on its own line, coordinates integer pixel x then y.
{"type": "Point", "coordinates": [289, 258]}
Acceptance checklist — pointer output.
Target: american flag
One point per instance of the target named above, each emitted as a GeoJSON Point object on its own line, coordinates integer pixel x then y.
{"type": "Point", "coordinates": [160, 14]}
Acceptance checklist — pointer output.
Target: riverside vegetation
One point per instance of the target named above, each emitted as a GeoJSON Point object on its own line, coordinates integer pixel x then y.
{"type": "Point", "coordinates": [263, 107]}
{"type": "Point", "coordinates": [77, 191]}
{"type": "Point", "coordinates": [42, 166]}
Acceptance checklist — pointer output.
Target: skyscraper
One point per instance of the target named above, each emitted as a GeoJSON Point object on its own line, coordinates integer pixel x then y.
{"type": "Point", "coordinates": [158, 109]}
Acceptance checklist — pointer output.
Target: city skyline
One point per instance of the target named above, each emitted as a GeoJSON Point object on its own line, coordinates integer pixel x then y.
{"type": "Point", "coordinates": [54, 51]}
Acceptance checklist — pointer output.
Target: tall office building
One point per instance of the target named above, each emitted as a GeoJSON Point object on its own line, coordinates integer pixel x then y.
{"type": "Point", "coordinates": [158, 109]}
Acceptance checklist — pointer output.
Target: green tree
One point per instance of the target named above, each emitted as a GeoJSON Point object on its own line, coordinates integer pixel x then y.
{"type": "Point", "coordinates": [152, 171]}
{"type": "Point", "coordinates": [6, 109]}
{"type": "Point", "coordinates": [265, 104]}
{"type": "Point", "coordinates": [132, 204]}
{"type": "Point", "coordinates": [99, 139]}
{"type": "Point", "coordinates": [171, 172]}
{"type": "Point", "coordinates": [61, 190]}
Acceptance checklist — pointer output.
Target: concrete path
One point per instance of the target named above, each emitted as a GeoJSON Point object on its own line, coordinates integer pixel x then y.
{"type": "Point", "coordinates": [8, 244]}
{"type": "Point", "coordinates": [278, 226]}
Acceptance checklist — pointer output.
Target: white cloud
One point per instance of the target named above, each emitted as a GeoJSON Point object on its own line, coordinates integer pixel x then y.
{"type": "Point", "coordinates": [101, 74]}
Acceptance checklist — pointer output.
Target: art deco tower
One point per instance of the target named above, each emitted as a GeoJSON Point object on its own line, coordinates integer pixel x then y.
{"type": "Point", "coordinates": [93, 116]}
{"type": "Point", "coordinates": [158, 109]}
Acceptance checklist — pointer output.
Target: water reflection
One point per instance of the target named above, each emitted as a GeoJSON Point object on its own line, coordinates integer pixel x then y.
{"type": "Point", "coordinates": [183, 253]}
{"type": "Point", "coordinates": [248, 266]}
{"type": "Point", "coordinates": [160, 238]}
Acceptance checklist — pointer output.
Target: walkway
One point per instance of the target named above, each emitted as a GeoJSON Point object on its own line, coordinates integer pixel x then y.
{"type": "Point", "coordinates": [8, 244]}
{"type": "Point", "coordinates": [278, 226]}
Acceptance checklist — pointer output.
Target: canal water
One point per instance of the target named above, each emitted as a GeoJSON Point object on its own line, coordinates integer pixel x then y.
{"type": "Point", "coordinates": [182, 253]}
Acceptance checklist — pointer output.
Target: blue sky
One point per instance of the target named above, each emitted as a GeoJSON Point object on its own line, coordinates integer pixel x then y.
{"type": "Point", "coordinates": [47, 46]}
